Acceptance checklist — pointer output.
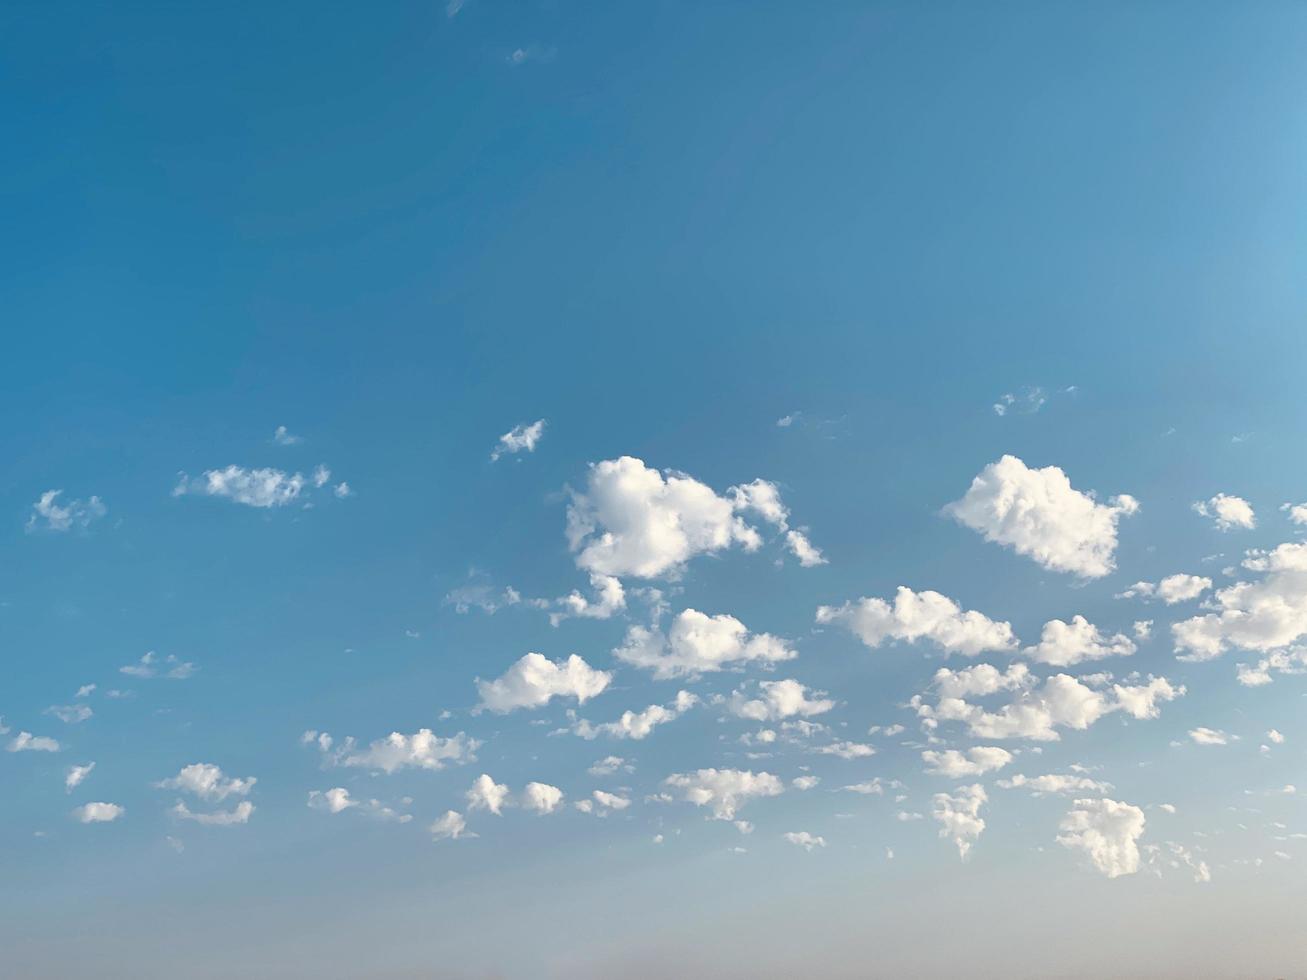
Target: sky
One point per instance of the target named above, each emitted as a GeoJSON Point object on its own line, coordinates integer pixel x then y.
{"type": "Point", "coordinates": [538, 489]}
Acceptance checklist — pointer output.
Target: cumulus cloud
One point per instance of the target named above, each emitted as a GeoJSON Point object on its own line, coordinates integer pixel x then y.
{"type": "Point", "coordinates": [336, 800]}
{"type": "Point", "coordinates": [779, 700]}
{"type": "Point", "coordinates": [49, 515]}
{"type": "Point", "coordinates": [237, 815]}
{"type": "Point", "coordinates": [27, 742]}
{"type": "Point", "coordinates": [1291, 661]}
{"type": "Point", "coordinates": [959, 816]}
{"type": "Point", "coordinates": [608, 765]}
{"type": "Point", "coordinates": [1039, 514]}
{"type": "Point", "coordinates": [541, 798]}
{"type": "Point", "coordinates": [98, 812]}
{"type": "Point", "coordinates": [1209, 736]}
{"type": "Point", "coordinates": [1063, 644]}
{"type": "Point", "coordinates": [208, 782]}
{"type": "Point", "coordinates": [633, 520]}
{"type": "Point", "coordinates": [450, 826]}
{"type": "Point", "coordinates": [698, 643]}
{"type": "Point", "coordinates": [520, 438]}
{"type": "Point", "coordinates": [1297, 513]}
{"type": "Point", "coordinates": [1036, 711]}
{"type": "Point", "coordinates": [920, 615]}
{"type": "Point", "coordinates": [421, 750]}
{"type": "Point", "coordinates": [486, 794]}
{"type": "Point", "coordinates": [609, 599]}
{"type": "Point", "coordinates": [1264, 615]}
{"type": "Point", "coordinates": [1227, 512]}
{"type": "Point", "coordinates": [1058, 784]}
{"type": "Point", "coordinates": [805, 840]}
{"type": "Point", "coordinates": [1172, 589]}
{"type": "Point", "coordinates": [601, 803]}
{"type": "Point", "coordinates": [75, 775]}
{"type": "Point", "coordinates": [724, 791]}
{"type": "Point", "coordinates": [638, 725]}
{"type": "Point", "coordinates": [1107, 831]}
{"type": "Point", "coordinates": [535, 680]}
{"type": "Point", "coordinates": [958, 765]}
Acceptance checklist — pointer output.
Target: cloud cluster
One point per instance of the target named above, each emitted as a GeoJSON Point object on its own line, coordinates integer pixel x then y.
{"type": "Point", "coordinates": [421, 750]}
{"type": "Point", "coordinates": [917, 616]}
{"type": "Point", "coordinates": [49, 515]}
{"type": "Point", "coordinates": [959, 816]}
{"type": "Point", "coordinates": [1108, 833]}
{"type": "Point", "coordinates": [724, 791]}
{"type": "Point", "coordinates": [637, 725]}
{"type": "Point", "coordinates": [698, 643]}
{"type": "Point", "coordinates": [1064, 644]}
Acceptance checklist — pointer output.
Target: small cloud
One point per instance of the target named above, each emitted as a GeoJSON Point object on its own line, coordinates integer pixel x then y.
{"type": "Point", "coordinates": [520, 438]}
{"type": "Point", "coordinates": [150, 666]}
{"type": "Point", "coordinates": [283, 437]}
{"type": "Point", "coordinates": [531, 53]}
{"type": "Point", "coordinates": [98, 813]}
{"type": "Point", "coordinates": [49, 515]}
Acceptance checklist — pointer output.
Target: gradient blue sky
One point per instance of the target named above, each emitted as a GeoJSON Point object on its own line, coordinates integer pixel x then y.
{"type": "Point", "coordinates": [400, 230]}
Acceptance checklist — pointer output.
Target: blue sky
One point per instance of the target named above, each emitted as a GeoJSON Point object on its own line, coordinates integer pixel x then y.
{"type": "Point", "coordinates": [286, 288]}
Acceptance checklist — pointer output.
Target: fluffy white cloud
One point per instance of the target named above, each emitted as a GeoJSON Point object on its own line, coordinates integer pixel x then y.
{"type": "Point", "coordinates": [1264, 615]}
{"type": "Point", "coordinates": [1172, 589]}
{"type": "Point", "coordinates": [450, 826]}
{"type": "Point", "coordinates": [1039, 514]}
{"type": "Point", "coordinates": [98, 812]}
{"type": "Point", "coordinates": [601, 803]}
{"type": "Point", "coordinates": [27, 742]}
{"type": "Point", "coordinates": [76, 775]}
{"type": "Point", "coordinates": [1037, 711]}
{"type": "Point", "coordinates": [805, 783]}
{"type": "Point", "coordinates": [698, 643]}
{"type": "Point", "coordinates": [239, 814]}
{"type": "Point", "coordinates": [421, 750]}
{"type": "Point", "coordinates": [633, 520]}
{"type": "Point", "coordinates": [1227, 511]}
{"type": "Point", "coordinates": [920, 615]}
{"type": "Point", "coordinates": [541, 797]}
{"type": "Point", "coordinates": [49, 515]}
{"type": "Point", "coordinates": [486, 794]}
{"type": "Point", "coordinates": [608, 765]}
{"type": "Point", "coordinates": [609, 599]}
{"type": "Point", "coordinates": [638, 724]}
{"type": "Point", "coordinates": [1063, 644]}
{"type": "Point", "coordinates": [1291, 661]}
{"type": "Point", "coordinates": [208, 782]}
{"type": "Point", "coordinates": [1107, 831]}
{"type": "Point", "coordinates": [520, 438]}
{"type": "Point", "coordinates": [335, 800]}
{"type": "Point", "coordinates": [1297, 512]}
{"type": "Point", "coordinates": [152, 665]}
{"type": "Point", "coordinates": [847, 750]}
{"type": "Point", "coordinates": [873, 787]}
{"type": "Point", "coordinates": [805, 840]}
{"type": "Point", "coordinates": [1274, 736]}
{"type": "Point", "coordinates": [1209, 736]}
{"type": "Point", "coordinates": [801, 548]}
{"type": "Point", "coordinates": [780, 699]}
{"type": "Point", "coordinates": [534, 680]}
{"type": "Point", "coordinates": [1056, 783]}
{"type": "Point", "coordinates": [265, 487]}
{"type": "Point", "coordinates": [975, 762]}
{"type": "Point", "coordinates": [959, 816]}
{"type": "Point", "coordinates": [723, 790]}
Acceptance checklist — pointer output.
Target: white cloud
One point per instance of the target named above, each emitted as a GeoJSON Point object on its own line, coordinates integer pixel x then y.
{"type": "Point", "coordinates": [631, 520]}
{"type": "Point", "coordinates": [1266, 615]}
{"type": "Point", "coordinates": [1175, 855]}
{"type": "Point", "coordinates": [76, 775]}
{"type": "Point", "coordinates": [805, 840]}
{"type": "Point", "coordinates": [1035, 711]}
{"type": "Point", "coordinates": [608, 765]}
{"type": "Point", "coordinates": [873, 787]}
{"type": "Point", "coordinates": [1107, 831]}
{"type": "Point", "coordinates": [920, 615]}
{"type": "Point", "coordinates": [1291, 661]}
{"type": "Point", "coordinates": [486, 794]}
{"type": "Point", "coordinates": [1209, 736]}
{"type": "Point", "coordinates": [1297, 512]}
{"type": "Point", "coordinates": [520, 438]}
{"type": "Point", "coordinates": [975, 762]}
{"type": "Point", "coordinates": [1039, 514]}
{"type": "Point", "coordinates": [541, 797]}
{"type": "Point", "coordinates": [98, 812]}
{"type": "Point", "coordinates": [534, 680]}
{"type": "Point", "coordinates": [638, 725]}
{"type": "Point", "coordinates": [49, 515]}
{"type": "Point", "coordinates": [208, 782]}
{"type": "Point", "coordinates": [27, 742]}
{"type": "Point", "coordinates": [335, 800]}
{"type": "Point", "coordinates": [283, 437]}
{"type": "Point", "coordinates": [1142, 628]}
{"type": "Point", "coordinates": [847, 750]}
{"type": "Point", "coordinates": [85, 691]}
{"type": "Point", "coordinates": [804, 783]}
{"type": "Point", "coordinates": [723, 790]}
{"type": "Point", "coordinates": [483, 596]}
{"type": "Point", "coordinates": [1274, 736]}
{"type": "Point", "coordinates": [450, 826]}
{"type": "Point", "coordinates": [1063, 644]}
{"type": "Point", "coordinates": [959, 816]}
{"type": "Point", "coordinates": [1172, 589]}
{"type": "Point", "coordinates": [601, 803]}
{"type": "Point", "coordinates": [1227, 511]}
{"type": "Point", "coordinates": [801, 548]}
{"type": "Point", "coordinates": [610, 599]}
{"type": "Point", "coordinates": [239, 814]}
{"type": "Point", "coordinates": [780, 699]}
{"type": "Point", "coordinates": [421, 750]}
{"type": "Point", "coordinates": [151, 665]}
{"type": "Point", "coordinates": [70, 714]}
{"type": "Point", "coordinates": [265, 487]}
{"type": "Point", "coordinates": [1056, 783]}
{"type": "Point", "coordinates": [698, 643]}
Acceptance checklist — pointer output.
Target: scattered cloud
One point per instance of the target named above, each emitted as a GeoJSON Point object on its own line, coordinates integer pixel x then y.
{"type": "Point", "coordinates": [958, 765]}
{"type": "Point", "coordinates": [49, 515]}
{"type": "Point", "coordinates": [920, 615]}
{"type": "Point", "coordinates": [724, 791]}
{"type": "Point", "coordinates": [805, 840]}
{"type": "Point", "coordinates": [520, 438]}
{"type": "Point", "coordinates": [1228, 512]}
{"type": "Point", "coordinates": [98, 812]}
{"type": "Point", "coordinates": [698, 643]}
{"type": "Point", "coordinates": [959, 816]}
{"type": "Point", "coordinates": [534, 681]}
{"type": "Point", "coordinates": [1064, 644]}
{"type": "Point", "coordinates": [1107, 831]}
